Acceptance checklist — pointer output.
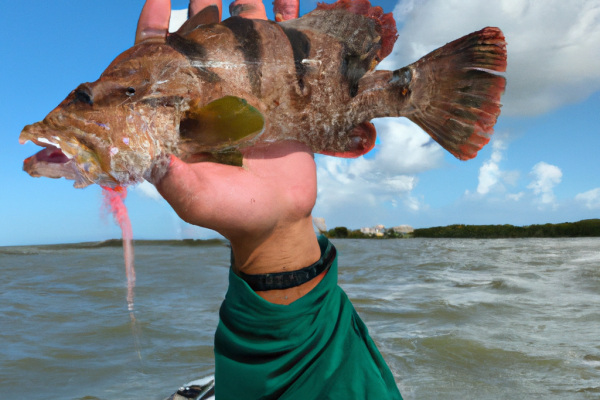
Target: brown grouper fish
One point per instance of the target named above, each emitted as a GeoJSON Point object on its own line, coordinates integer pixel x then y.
{"type": "Point", "coordinates": [213, 87]}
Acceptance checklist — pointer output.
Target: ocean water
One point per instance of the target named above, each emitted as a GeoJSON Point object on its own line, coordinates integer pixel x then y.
{"type": "Point", "coordinates": [455, 319]}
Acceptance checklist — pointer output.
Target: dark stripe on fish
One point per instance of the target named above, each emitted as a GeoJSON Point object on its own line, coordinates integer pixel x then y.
{"type": "Point", "coordinates": [301, 49]}
{"type": "Point", "coordinates": [250, 45]}
{"type": "Point", "coordinates": [352, 71]}
{"type": "Point", "coordinates": [355, 66]}
{"type": "Point", "coordinates": [195, 53]}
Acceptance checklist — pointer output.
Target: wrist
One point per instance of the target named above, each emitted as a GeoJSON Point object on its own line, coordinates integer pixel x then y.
{"type": "Point", "coordinates": [288, 248]}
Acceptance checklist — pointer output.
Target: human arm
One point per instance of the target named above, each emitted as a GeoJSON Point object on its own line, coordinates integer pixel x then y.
{"type": "Point", "coordinates": [263, 208]}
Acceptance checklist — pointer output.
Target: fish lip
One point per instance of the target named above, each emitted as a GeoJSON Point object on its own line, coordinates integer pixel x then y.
{"type": "Point", "coordinates": [57, 159]}
{"type": "Point", "coordinates": [37, 134]}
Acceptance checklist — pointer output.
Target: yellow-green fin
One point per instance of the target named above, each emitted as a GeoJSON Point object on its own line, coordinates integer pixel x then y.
{"type": "Point", "coordinates": [221, 123]}
{"type": "Point", "coordinates": [228, 156]}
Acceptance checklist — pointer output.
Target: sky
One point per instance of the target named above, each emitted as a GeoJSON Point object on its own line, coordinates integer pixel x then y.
{"type": "Point", "coordinates": [541, 165]}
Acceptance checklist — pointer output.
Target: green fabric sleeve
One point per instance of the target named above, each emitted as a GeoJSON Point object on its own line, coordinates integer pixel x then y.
{"type": "Point", "coordinates": [315, 348]}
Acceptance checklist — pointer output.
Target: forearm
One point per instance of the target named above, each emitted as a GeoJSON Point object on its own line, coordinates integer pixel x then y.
{"type": "Point", "coordinates": [286, 248]}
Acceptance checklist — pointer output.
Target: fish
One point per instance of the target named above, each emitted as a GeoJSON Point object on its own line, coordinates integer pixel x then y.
{"type": "Point", "coordinates": [211, 89]}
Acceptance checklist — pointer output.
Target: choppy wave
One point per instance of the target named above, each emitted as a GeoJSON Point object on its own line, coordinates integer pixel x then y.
{"type": "Point", "coordinates": [454, 319]}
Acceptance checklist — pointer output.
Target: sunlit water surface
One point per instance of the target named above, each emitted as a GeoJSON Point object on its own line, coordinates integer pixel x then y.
{"type": "Point", "coordinates": [455, 319]}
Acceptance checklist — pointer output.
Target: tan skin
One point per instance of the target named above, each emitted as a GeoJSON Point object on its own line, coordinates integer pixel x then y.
{"type": "Point", "coordinates": [263, 208]}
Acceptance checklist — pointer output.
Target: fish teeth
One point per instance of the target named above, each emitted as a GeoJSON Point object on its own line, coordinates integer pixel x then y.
{"type": "Point", "coordinates": [44, 140]}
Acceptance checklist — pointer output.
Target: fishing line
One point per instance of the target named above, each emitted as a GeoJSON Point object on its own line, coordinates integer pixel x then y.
{"type": "Point", "coordinates": [113, 201]}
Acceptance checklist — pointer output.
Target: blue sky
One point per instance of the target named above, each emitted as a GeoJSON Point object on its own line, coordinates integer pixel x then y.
{"type": "Point", "coordinates": [542, 165]}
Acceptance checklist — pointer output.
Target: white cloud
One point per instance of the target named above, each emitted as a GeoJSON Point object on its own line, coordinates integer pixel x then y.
{"type": "Point", "coordinates": [387, 177]}
{"type": "Point", "coordinates": [591, 198]}
{"type": "Point", "coordinates": [545, 178]}
{"type": "Point", "coordinates": [148, 190]}
{"type": "Point", "coordinates": [178, 17]}
{"type": "Point", "coordinates": [553, 45]}
{"type": "Point", "coordinates": [515, 196]}
{"type": "Point", "coordinates": [414, 203]}
{"type": "Point", "coordinates": [490, 174]}
{"type": "Point", "coordinates": [403, 10]}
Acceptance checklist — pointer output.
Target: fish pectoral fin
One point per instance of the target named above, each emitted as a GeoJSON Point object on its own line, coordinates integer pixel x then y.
{"type": "Point", "coordinates": [360, 140]}
{"type": "Point", "coordinates": [228, 157]}
{"type": "Point", "coordinates": [208, 15]}
{"type": "Point", "coordinates": [221, 124]}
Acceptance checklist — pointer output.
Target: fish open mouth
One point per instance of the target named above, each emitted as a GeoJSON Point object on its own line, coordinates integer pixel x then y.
{"type": "Point", "coordinates": [52, 155]}
{"type": "Point", "coordinates": [52, 161]}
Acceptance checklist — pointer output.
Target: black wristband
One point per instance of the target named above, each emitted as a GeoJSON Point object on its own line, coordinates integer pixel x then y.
{"type": "Point", "coordinates": [286, 280]}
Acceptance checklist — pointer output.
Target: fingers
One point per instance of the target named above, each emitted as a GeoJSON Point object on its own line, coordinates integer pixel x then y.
{"type": "Point", "coordinates": [286, 9]}
{"type": "Point", "coordinates": [198, 5]}
{"type": "Point", "coordinates": [154, 21]}
{"type": "Point", "coordinates": [177, 185]}
{"type": "Point", "coordinates": [251, 9]}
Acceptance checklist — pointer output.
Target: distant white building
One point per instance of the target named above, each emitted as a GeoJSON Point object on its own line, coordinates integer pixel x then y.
{"type": "Point", "coordinates": [377, 230]}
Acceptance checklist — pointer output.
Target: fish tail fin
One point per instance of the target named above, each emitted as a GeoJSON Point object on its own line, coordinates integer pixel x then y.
{"type": "Point", "coordinates": [454, 92]}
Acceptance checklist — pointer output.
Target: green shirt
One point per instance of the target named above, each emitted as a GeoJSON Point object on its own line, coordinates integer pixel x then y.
{"type": "Point", "coordinates": [315, 348]}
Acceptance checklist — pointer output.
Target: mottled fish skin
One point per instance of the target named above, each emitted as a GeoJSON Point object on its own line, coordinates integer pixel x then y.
{"type": "Point", "coordinates": [309, 79]}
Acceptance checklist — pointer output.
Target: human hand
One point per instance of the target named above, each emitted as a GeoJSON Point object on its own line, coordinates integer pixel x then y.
{"type": "Point", "coordinates": [263, 208]}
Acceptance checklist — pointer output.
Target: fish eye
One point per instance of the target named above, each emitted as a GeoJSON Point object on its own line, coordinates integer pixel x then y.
{"type": "Point", "coordinates": [82, 95]}
{"type": "Point", "coordinates": [130, 91]}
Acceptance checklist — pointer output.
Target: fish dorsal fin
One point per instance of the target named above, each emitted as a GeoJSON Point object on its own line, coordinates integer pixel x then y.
{"type": "Point", "coordinates": [384, 23]}
{"type": "Point", "coordinates": [222, 123]}
{"type": "Point", "coordinates": [208, 15]}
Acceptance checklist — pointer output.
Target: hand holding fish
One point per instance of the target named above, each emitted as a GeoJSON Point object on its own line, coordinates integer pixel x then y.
{"type": "Point", "coordinates": [263, 208]}
{"type": "Point", "coordinates": [232, 111]}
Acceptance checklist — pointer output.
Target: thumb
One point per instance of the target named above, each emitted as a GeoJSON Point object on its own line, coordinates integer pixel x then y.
{"type": "Point", "coordinates": [173, 178]}
{"type": "Point", "coordinates": [154, 21]}
{"type": "Point", "coordinates": [159, 168]}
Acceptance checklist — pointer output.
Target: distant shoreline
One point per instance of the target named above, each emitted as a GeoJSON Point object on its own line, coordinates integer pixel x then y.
{"type": "Point", "coordinates": [119, 243]}
{"type": "Point", "coordinates": [584, 228]}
